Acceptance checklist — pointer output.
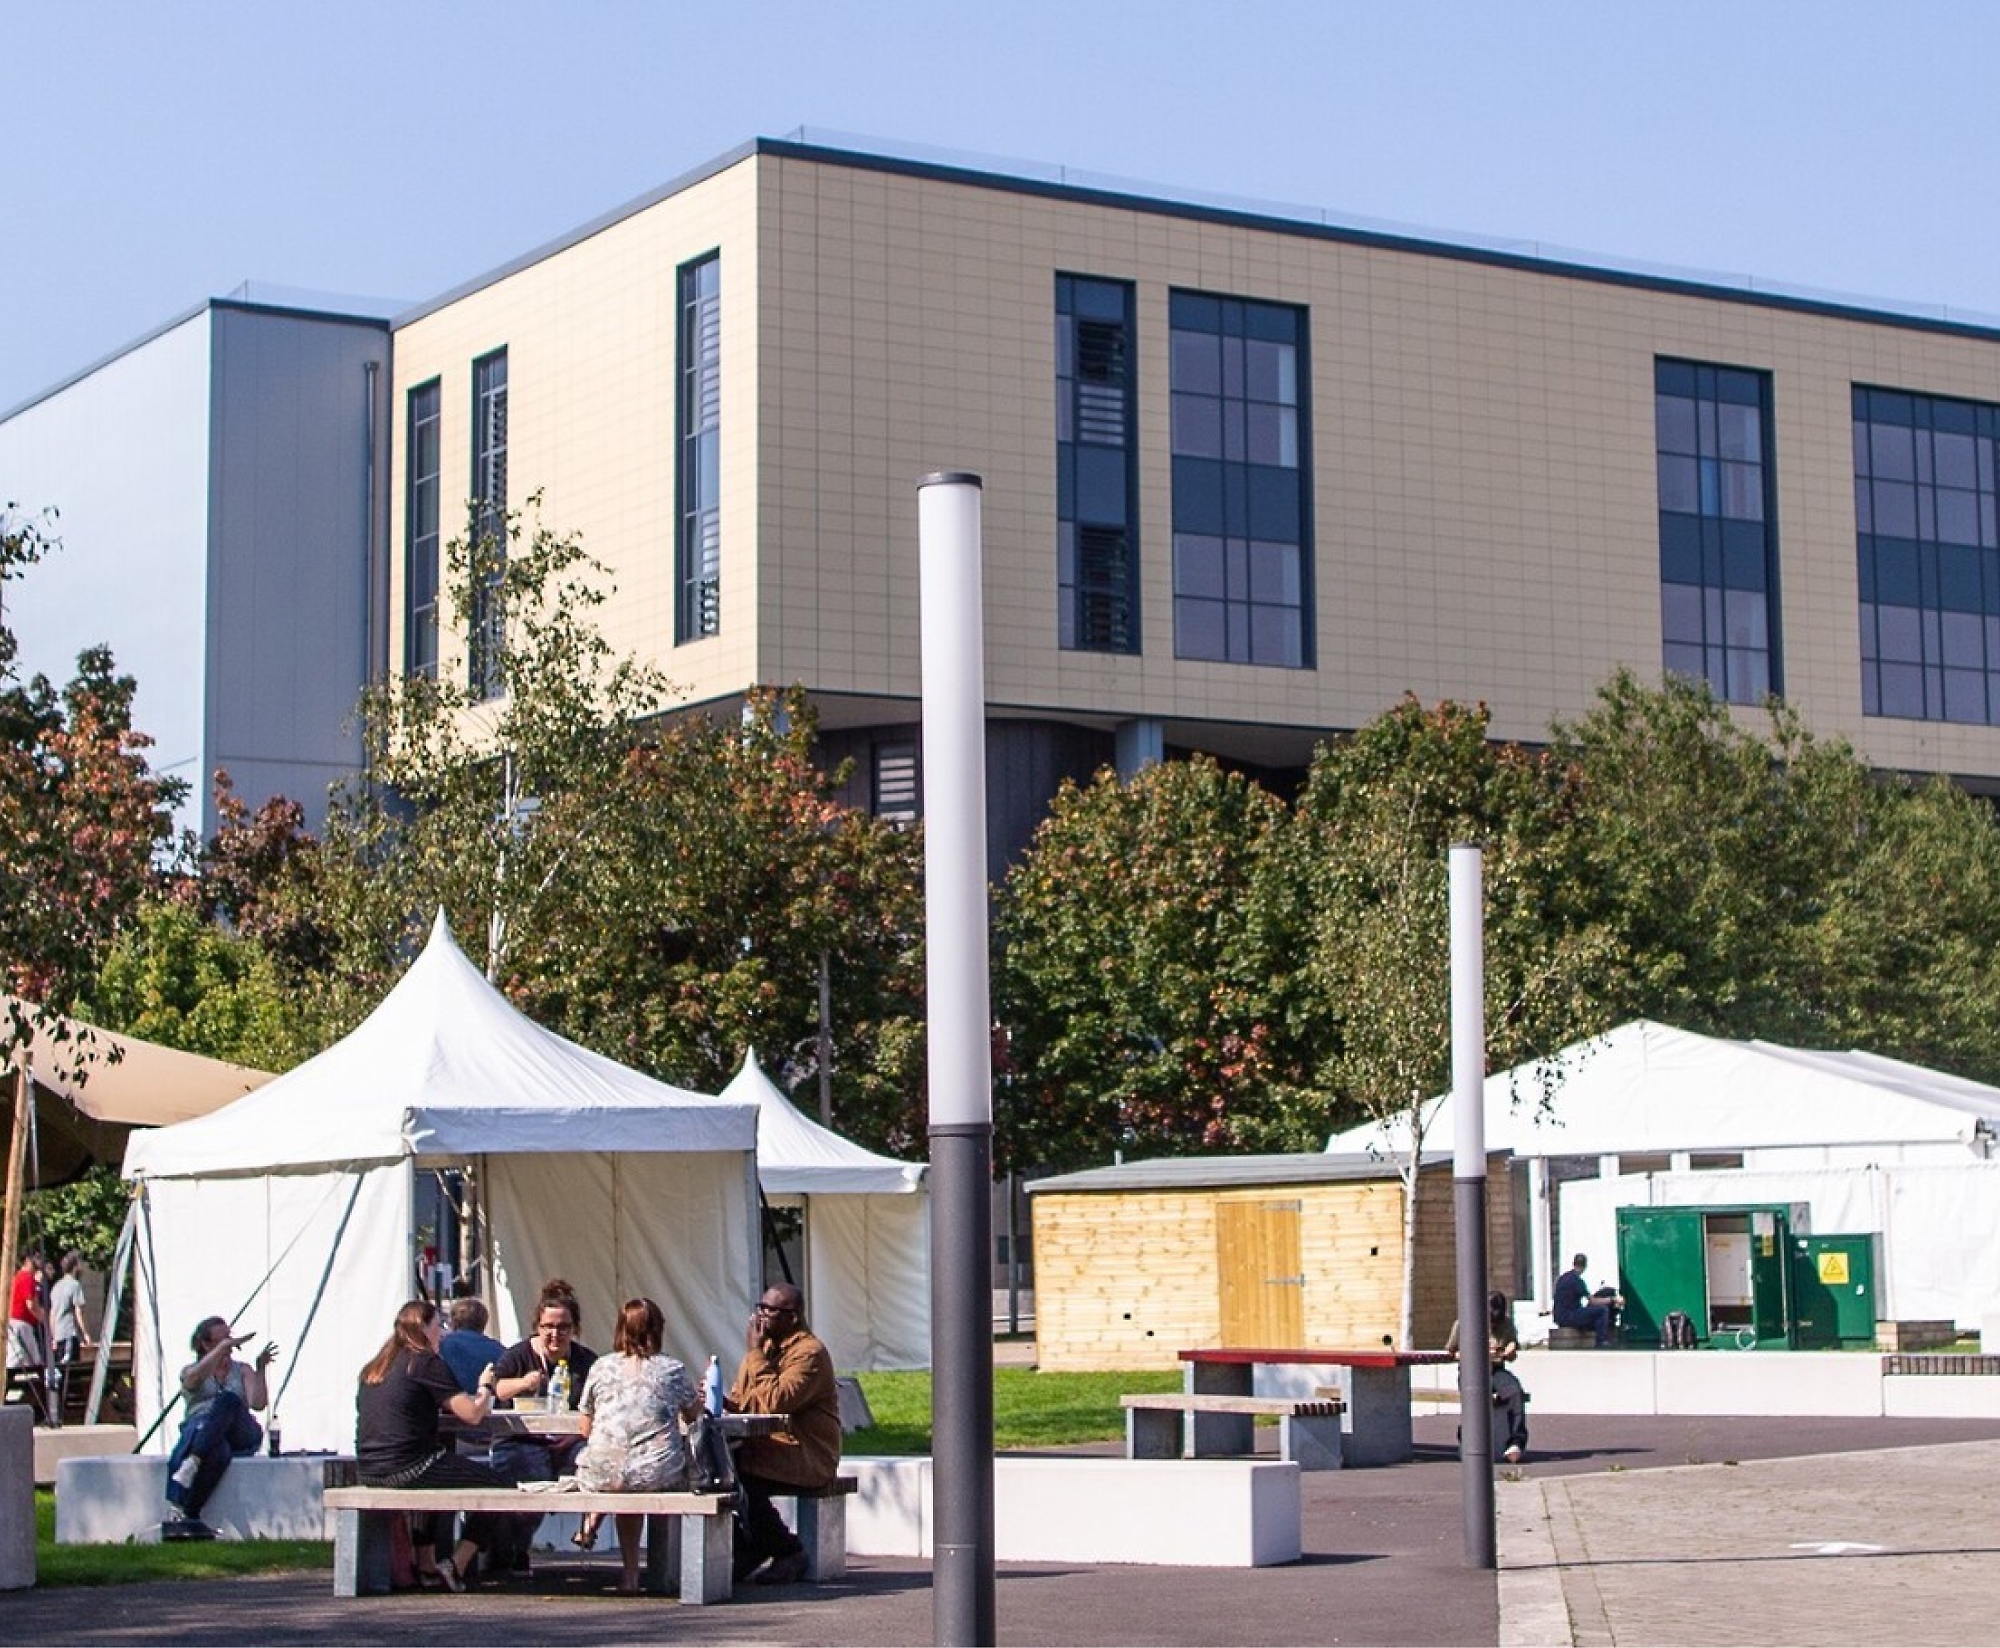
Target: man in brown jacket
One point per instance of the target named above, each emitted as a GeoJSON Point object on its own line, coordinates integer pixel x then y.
{"type": "Point", "coordinates": [785, 1369]}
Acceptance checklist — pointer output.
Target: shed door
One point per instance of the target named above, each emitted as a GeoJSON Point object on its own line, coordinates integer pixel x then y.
{"type": "Point", "coordinates": [1258, 1273]}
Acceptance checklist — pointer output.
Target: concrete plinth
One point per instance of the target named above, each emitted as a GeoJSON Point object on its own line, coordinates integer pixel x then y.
{"type": "Point", "coordinates": [17, 1498]}
{"type": "Point", "coordinates": [52, 1447]}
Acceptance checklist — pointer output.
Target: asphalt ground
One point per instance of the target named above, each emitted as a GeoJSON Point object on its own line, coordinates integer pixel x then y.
{"type": "Point", "coordinates": [1617, 1530]}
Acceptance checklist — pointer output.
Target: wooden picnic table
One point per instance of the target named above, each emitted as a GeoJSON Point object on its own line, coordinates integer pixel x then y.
{"type": "Point", "coordinates": [1374, 1383]}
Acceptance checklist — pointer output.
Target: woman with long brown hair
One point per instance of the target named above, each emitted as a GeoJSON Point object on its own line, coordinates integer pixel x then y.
{"type": "Point", "coordinates": [404, 1388]}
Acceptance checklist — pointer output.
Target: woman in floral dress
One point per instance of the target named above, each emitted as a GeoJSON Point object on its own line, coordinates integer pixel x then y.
{"type": "Point", "coordinates": [633, 1404]}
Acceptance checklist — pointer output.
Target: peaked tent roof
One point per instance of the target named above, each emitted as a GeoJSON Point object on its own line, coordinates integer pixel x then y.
{"type": "Point", "coordinates": [796, 1156]}
{"type": "Point", "coordinates": [444, 1067]}
{"type": "Point", "coordinates": [1649, 1087]}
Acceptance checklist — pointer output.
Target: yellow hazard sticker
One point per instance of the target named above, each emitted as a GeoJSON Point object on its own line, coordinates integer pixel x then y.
{"type": "Point", "coordinates": [1832, 1268]}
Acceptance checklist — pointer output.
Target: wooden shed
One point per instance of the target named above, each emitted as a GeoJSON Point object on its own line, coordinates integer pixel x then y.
{"type": "Point", "coordinates": [1137, 1262]}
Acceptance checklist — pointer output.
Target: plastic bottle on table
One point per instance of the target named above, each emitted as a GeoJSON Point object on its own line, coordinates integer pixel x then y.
{"type": "Point", "coordinates": [559, 1388]}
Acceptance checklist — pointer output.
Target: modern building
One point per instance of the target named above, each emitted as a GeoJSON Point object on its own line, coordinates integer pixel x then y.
{"type": "Point", "coordinates": [1249, 476]}
{"type": "Point", "coordinates": [1248, 479]}
{"type": "Point", "coordinates": [221, 516]}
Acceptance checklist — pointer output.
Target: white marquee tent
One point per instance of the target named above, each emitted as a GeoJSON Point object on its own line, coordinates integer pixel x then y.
{"type": "Point", "coordinates": [867, 1234]}
{"type": "Point", "coordinates": [292, 1210]}
{"type": "Point", "coordinates": [1647, 1098]}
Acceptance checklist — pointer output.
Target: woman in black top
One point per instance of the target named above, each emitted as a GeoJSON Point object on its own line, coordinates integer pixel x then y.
{"type": "Point", "coordinates": [403, 1390]}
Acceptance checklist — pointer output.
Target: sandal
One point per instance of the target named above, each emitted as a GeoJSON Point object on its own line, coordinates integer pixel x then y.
{"type": "Point", "coordinates": [447, 1575]}
{"type": "Point", "coordinates": [585, 1538]}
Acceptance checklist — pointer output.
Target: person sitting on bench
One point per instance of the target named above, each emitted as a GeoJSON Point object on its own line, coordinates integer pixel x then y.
{"type": "Point", "coordinates": [1577, 1307]}
{"type": "Point", "coordinates": [785, 1369]}
{"type": "Point", "coordinates": [404, 1388]}
{"type": "Point", "coordinates": [220, 1393]}
{"type": "Point", "coordinates": [1510, 1400]}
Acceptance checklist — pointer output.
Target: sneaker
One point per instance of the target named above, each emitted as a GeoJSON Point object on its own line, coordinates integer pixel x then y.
{"type": "Point", "coordinates": [784, 1570]}
{"type": "Point", "coordinates": [1512, 1456]}
{"type": "Point", "coordinates": [186, 1527]}
{"type": "Point", "coordinates": [187, 1471]}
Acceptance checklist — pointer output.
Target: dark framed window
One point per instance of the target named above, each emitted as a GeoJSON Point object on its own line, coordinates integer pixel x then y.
{"type": "Point", "coordinates": [698, 437]}
{"type": "Point", "coordinates": [1718, 528]}
{"type": "Point", "coordinates": [1242, 481]}
{"type": "Point", "coordinates": [420, 531]}
{"type": "Point", "coordinates": [1097, 467]}
{"type": "Point", "coordinates": [894, 788]}
{"type": "Point", "coordinates": [1929, 556]}
{"type": "Point", "coordinates": [486, 655]}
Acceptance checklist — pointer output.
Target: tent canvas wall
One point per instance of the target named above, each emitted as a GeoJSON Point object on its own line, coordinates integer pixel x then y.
{"type": "Point", "coordinates": [1649, 1096]}
{"type": "Point", "coordinates": [867, 1231]}
{"type": "Point", "coordinates": [291, 1210]}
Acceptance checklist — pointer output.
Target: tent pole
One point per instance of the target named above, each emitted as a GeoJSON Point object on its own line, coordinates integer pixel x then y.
{"type": "Point", "coordinates": [114, 1299]}
{"type": "Point", "coordinates": [17, 1158]}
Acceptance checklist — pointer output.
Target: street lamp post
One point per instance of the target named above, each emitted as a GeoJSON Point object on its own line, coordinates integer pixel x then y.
{"type": "Point", "coordinates": [959, 1020]}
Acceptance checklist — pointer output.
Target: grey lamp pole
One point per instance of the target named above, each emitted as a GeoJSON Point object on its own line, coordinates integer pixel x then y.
{"type": "Point", "coordinates": [959, 1033]}
{"type": "Point", "coordinates": [1468, 1184]}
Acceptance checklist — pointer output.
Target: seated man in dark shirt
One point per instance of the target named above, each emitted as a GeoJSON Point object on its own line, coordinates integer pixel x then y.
{"type": "Point", "coordinates": [468, 1349]}
{"type": "Point", "coordinates": [1577, 1307]}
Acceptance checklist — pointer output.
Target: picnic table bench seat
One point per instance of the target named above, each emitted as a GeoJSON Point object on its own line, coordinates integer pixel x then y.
{"type": "Point", "coordinates": [1166, 1425]}
{"type": "Point", "coordinates": [689, 1536]}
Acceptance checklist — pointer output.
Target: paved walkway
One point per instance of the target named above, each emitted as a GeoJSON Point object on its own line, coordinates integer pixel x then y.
{"type": "Point", "coordinates": [1619, 1530]}
{"type": "Point", "coordinates": [1894, 1546]}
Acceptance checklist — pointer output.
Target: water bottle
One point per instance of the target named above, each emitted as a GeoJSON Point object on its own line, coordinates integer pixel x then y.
{"type": "Point", "coordinates": [272, 1437]}
{"type": "Point", "coordinates": [559, 1389]}
{"type": "Point", "coordinates": [711, 1387]}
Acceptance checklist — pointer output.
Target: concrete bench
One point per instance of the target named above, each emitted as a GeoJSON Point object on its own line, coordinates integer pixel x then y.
{"type": "Point", "coordinates": [1168, 1425]}
{"type": "Point", "coordinates": [108, 1499]}
{"type": "Point", "coordinates": [1193, 1513]}
{"type": "Point", "coordinates": [699, 1556]}
{"type": "Point", "coordinates": [819, 1518]}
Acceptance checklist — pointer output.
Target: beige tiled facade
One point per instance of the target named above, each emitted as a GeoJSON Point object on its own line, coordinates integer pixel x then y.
{"type": "Point", "coordinates": [1483, 475]}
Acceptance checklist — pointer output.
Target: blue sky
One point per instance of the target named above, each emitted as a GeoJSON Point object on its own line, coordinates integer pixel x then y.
{"type": "Point", "coordinates": [157, 155]}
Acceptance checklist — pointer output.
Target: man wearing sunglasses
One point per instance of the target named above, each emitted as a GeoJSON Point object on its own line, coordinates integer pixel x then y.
{"type": "Point", "coordinates": [785, 1369]}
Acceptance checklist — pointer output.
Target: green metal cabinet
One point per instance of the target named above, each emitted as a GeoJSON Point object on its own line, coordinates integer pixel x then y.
{"type": "Point", "coordinates": [1729, 1268]}
{"type": "Point", "coordinates": [1833, 1291]}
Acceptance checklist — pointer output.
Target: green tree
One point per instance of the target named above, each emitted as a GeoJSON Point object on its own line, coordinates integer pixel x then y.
{"type": "Point", "coordinates": [179, 981]}
{"type": "Point", "coordinates": [1767, 883]}
{"type": "Point", "coordinates": [660, 887]}
{"type": "Point", "coordinates": [1369, 847]}
{"type": "Point", "coordinates": [1144, 973]}
{"type": "Point", "coordinates": [82, 815]}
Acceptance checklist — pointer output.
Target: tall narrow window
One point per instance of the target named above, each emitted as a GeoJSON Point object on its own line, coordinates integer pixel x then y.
{"type": "Point", "coordinates": [1242, 509]}
{"type": "Point", "coordinates": [1718, 532]}
{"type": "Point", "coordinates": [420, 534]}
{"type": "Point", "coordinates": [1097, 468]}
{"type": "Point", "coordinates": [487, 653]}
{"type": "Point", "coordinates": [1929, 556]}
{"type": "Point", "coordinates": [698, 426]}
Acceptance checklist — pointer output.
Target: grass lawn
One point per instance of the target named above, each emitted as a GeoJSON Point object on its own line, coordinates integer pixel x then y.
{"type": "Point", "coordinates": [1030, 1410]}
{"type": "Point", "coordinates": [129, 1564]}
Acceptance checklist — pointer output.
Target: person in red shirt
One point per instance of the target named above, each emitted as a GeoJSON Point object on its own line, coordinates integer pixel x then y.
{"type": "Point", "coordinates": [26, 1352]}
{"type": "Point", "coordinates": [25, 1315]}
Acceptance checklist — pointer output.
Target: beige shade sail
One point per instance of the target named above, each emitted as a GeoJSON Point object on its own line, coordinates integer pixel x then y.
{"type": "Point", "coordinates": [93, 1087]}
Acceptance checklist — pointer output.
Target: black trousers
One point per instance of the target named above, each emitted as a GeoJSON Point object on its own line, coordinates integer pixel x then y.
{"type": "Point", "coordinates": [450, 1470]}
{"type": "Point", "coordinates": [760, 1531]}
